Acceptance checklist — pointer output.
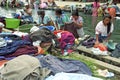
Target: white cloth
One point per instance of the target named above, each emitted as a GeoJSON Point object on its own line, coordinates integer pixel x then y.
{"type": "Point", "coordinates": [97, 51]}
{"type": "Point", "coordinates": [33, 29]}
{"type": "Point", "coordinates": [1, 24]}
{"type": "Point", "coordinates": [20, 34]}
{"type": "Point", "coordinates": [102, 29]}
{"type": "Point", "coordinates": [79, 20]}
{"type": "Point", "coordinates": [2, 42]}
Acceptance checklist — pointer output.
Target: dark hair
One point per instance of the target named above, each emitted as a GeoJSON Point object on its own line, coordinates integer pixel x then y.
{"type": "Point", "coordinates": [109, 27]}
{"type": "Point", "coordinates": [75, 13]}
{"type": "Point", "coordinates": [115, 3]}
{"type": "Point", "coordinates": [41, 12]}
{"type": "Point", "coordinates": [109, 24]}
{"type": "Point", "coordinates": [107, 16]}
{"type": "Point", "coordinates": [58, 11]}
{"type": "Point", "coordinates": [96, 0]}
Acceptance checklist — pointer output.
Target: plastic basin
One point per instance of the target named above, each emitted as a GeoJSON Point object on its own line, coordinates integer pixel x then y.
{"type": "Point", "coordinates": [12, 23]}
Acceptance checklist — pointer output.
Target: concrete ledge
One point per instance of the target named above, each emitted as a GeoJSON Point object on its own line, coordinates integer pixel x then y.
{"type": "Point", "coordinates": [101, 64]}
{"type": "Point", "coordinates": [107, 59]}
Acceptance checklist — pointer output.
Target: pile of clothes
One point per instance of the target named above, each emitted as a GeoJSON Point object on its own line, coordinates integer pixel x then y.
{"type": "Point", "coordinates": [44, 68]}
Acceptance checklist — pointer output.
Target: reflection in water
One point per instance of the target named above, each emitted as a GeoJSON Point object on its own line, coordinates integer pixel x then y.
{"type": "Point", "coordinates": [88, 28]}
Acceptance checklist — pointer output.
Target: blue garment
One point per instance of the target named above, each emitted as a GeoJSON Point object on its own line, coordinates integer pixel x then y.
{"type": "Point", "coordinates": [4, 58]}
{"type": "Point", "coordinates": [57, 65]}
{"type": "Point", "coordinates": [46, 19]}
{"type": "Point", "coordinates": [12, 47]}
{"type": "Point", "coordinates": [71, 76]}
{"type": "Point", "coordinates": [30, 18]}
{"type": "Point", "coordinates": [61, 20]}
{"type": "Point", "coordinates": [101, 38]}
{"type": "Point", "coordinates": [11, 36]}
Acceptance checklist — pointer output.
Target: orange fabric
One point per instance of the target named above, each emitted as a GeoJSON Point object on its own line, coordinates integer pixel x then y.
{"type": "Point", "coordinates": [112, 12]}
{"type": "Point", "coordinates": [40, 50]}
{"type": "Point", "coordinates": [101, 46]}
{"type": "Point", "coordinates": [57, 31]}
{"type": "Point", "coordinates": [3, 62]}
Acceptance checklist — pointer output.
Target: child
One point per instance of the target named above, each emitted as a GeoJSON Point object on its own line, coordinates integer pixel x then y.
{"type": "Point", "coordinates": [43, 19]}
{"type": "Point", "coordinates": [61, 19]}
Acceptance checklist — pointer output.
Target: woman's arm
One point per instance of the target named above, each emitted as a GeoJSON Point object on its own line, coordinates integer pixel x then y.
{"type": "Point", "coordinates": [79, 25]}
{"type": "Point", "coordinates": [97, 39]}
{"type": "Point", "coordinates": [108, 37]}
{"type": "Point", "coordinates": [56, 26]}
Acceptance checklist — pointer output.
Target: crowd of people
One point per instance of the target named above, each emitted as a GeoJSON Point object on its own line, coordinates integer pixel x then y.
{"type": "Point", "coordinates": [33, 3]}
{"type": "Point", "coordinates": [62, 37]}
{"type": "Point", "coordinates": [103, 28]}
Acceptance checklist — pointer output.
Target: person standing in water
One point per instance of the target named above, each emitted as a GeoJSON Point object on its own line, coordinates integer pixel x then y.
{"type": "Point", "coordinates": [95, 7]}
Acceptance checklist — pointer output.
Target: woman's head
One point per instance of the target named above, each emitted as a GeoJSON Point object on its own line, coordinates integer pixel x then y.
{"type": "Point", "coordinates": [107, 19]}
{"type": "Point", "coordinates": [75, 14]}
{"type": "Point", "coordinates": [27, 6]}
{"type": "Point", "coordinates": [96, 0]}
{"type": "Point", "coordinates": [58, 12]}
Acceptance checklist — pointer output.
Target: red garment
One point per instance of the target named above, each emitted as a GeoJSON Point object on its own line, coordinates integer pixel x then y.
{"type": "Point", "coordinates": [101, 46]}
{"type": "Point", "coordinates": [25, 49]}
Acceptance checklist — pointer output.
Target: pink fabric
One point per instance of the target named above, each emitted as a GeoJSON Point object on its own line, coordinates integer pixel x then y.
{"type": "Point", "coordinates": [43, 5]}
{"type": "Point", "coordinates": [95, 8]}
{"type": "Point", "coordinates": [94, 12]}
{"type": "Point", "coordinates": [66, 37]}
{"type": "Point", "coordinates": [96, 5]}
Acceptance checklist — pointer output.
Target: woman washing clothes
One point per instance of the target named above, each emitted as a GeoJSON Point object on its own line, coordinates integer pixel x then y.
{"type": "Point", "coordinates": [43, 19]}
{"type": "Point", "coordinates": [104, 29]}
{"type": "Point", "coordinates": [60, 19]}
{"type": "Point", "coordinates": [78, 22]}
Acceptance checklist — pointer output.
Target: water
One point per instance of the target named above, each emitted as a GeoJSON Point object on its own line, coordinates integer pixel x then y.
{"type": "Point", "coordinates": [88, 28]}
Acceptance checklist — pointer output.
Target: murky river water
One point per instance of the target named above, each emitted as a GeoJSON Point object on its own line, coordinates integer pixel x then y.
{"type": "Point", "coordinates": [88, 28]}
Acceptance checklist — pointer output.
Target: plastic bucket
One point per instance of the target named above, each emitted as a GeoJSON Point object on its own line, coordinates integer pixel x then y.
{"type": "Point", "coordinates": [51, 28]}
{"type": "Point", "coordinates": [12, 23]}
